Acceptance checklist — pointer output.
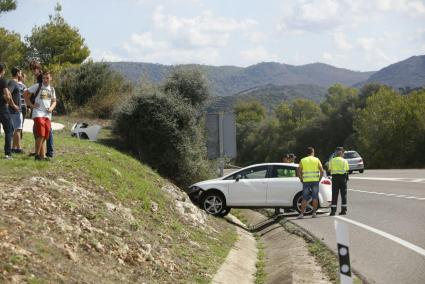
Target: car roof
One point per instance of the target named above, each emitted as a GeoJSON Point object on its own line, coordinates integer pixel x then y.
{"type": "Point", "coordinates": [262, 164]}
{"type": "Point", "coordinates": [272, 164]}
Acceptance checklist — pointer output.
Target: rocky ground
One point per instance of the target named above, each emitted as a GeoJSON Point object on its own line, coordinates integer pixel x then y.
{"type": "Point", "coordinates": [54, 230]}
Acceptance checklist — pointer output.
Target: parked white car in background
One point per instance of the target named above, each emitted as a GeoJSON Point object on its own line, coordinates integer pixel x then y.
{"type": "Point", "coordinates": [355, 161]}
{"type": "Point", "coordinates": [268, 185]}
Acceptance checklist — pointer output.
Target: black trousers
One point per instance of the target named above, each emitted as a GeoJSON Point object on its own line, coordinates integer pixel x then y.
{"type": "Point", "coordinates": [6, 122]}
{"type": "Point", "coordinates": [339, 184]}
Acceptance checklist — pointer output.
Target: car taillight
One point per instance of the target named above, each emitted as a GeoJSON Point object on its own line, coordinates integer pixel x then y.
{"type": "Point", "coordinates": [326, 181]}
{"type": "Point", "coordinates": [361, 161]}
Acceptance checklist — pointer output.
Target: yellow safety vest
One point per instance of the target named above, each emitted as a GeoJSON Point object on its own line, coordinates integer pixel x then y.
{"type": "Point", "coordinates": [338, 166]}
{"type": "Point", "coordinates": [310, 167]}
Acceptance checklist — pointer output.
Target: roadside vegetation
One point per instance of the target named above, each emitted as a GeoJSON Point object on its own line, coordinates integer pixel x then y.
{"type": "Point", "coordinates": [107, 211]}
{"type": "Point", "coordinates": [386, 127]}
{"type": "Point", "coordinates": [260, 274]}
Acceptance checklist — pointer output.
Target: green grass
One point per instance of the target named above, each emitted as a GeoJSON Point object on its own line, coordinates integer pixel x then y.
{"type": "Point", "coordinates": [260, 274]}
{"type": "Point", "coordinates": [102, 166]}
{"type": "Point", "coordinates": [326, 258]}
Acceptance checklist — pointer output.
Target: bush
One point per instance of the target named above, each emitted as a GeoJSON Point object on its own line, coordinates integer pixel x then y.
{"type": "Point", "coordinates": [92, 86]}
{"type": "Point", "coordinates": [190, 84]}
{"type": "Point", "coordinates": [162, 130]}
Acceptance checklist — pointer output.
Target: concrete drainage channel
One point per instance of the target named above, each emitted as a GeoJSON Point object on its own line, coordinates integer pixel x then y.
{"type": "Point", "coordinates": [286, 254]}
{"type": "Point", "coordinates": [286, 258]}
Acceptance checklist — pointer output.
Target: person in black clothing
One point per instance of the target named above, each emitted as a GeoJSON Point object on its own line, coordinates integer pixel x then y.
{"type": "Point", "coordinates": [5, 120]}
{"type": "Point", "coordinates": [16, 115]}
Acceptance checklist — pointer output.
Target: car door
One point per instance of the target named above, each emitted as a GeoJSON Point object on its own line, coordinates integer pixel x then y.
{"type": "Point", "coordinates": [249, 187]}
{"type": "Point", "coordinates": [283, 184]}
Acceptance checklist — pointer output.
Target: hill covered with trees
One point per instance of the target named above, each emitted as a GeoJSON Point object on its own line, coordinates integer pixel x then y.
{"type": "Point", "coordinates": [270, 96]}
{"type": "Point", "coordinates": [229, 80]}
{"type": "Point", "coordinates": [409, 73]}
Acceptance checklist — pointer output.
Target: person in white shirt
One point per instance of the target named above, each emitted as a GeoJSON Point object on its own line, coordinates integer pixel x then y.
{"type": "Point", "coordinates": [42, 108]}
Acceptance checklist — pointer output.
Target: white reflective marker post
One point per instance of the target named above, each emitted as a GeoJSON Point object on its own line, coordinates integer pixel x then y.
{"type": "Point", "coordinates": [343, 245]}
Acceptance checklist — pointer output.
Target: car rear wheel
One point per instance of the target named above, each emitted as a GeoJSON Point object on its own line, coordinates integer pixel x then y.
{"type": "Point", "coordinates": [213, 203]}
{"type": "Point", "coordinates": [361, 171]}
{"type": "Point", "coordinates": [297, 204]}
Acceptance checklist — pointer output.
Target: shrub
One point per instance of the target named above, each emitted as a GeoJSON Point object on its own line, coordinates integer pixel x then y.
{"type": "Point", "coordinates": [162, 130]}
{"type": "Point", "coordinates": [93, 86]}
{"type": "Point", "coordinates": [190, 84]}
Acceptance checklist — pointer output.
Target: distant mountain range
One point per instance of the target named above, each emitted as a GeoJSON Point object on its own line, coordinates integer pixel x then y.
{"type": "Point", "coordinates": [272, 83]}
{"type": "Point", "coordinates": [407, 73]}
{"type": "Point", "coordinates": [229, 80]}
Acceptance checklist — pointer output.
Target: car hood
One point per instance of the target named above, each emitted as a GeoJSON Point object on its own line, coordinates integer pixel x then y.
{"type": "Point", "coordinates": [205, 182]}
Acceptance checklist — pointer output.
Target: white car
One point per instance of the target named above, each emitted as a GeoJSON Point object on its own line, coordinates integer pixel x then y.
{"type": "Point", "coordinates": [270, 185]}
{"type": "Point", "coordinates": [355, 162]}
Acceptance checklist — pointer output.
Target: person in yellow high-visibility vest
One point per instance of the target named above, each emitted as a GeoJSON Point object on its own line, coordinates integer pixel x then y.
{"type": "Point", "coordinates": [339, 170]}
{"type": "Point", "coordinates": [310, 172]}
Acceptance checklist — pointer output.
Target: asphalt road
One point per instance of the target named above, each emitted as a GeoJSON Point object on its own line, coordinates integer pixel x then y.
{"type": "Point", "coordinates": [386, 220]}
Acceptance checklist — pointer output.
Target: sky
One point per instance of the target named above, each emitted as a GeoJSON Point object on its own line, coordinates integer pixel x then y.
{"type": "Point", "coordinates": [361, 35]}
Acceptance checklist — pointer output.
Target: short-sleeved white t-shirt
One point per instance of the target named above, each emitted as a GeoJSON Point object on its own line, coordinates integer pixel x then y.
{"type": "Point", "coordinates": [43, 100]}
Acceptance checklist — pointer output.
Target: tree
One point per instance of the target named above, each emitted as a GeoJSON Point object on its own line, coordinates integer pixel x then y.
{"type": "Point", "coordinates": [91, 85]}
{"type": "Point", "coordinates": [391, 129]}
{"type": "Point", "coordinates": [7, 5]}
{"type": "Point", "coordinates": [12, 50]}
{"type": "Point", "coordinates": [57, 42]}
{"type": "Point", "coordinates": [190, 84]}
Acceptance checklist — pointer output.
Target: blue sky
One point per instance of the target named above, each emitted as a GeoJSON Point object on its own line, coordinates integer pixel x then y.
{"type": "Point", "coordinates": [355, 34]}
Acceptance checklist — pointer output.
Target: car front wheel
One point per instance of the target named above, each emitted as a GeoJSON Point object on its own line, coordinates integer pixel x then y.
{"type": "Point", "coordinates": [297, 204]}
{"type": "Point", "coordinates": [213, 203]}
{"type": "Point", "coordinates": [224, 212]}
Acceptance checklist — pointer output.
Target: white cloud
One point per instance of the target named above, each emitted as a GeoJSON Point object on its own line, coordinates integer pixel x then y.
{"type": "Point", "coordinates": [327, 56]}
{"type": "Point", "coordinates": [105, 55]}
{"type": "Point", "coordinates": [341, 41]}
{"type": "Point", "coordinates": [318, 15]}
{"type": "Point", "coordinates": [324, 15]}
{"type": "Point", "coordinates": [174, 39]}
{"type": "Point", "coordinates": [205, 30]}
{"type": "Point", "coordinates": [258, 54]}
{"type": "Point", "coordinates": [255, 37]}
{"type": "Point", "coordinates": [175, 56]}
{"type": "Point", "coordinates": [411, 7]}
{"type": "Point", "coordinates": [145, 40]}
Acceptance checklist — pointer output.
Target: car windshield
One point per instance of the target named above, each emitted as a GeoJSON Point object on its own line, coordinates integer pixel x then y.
{"type": "Point", "coordinates": [351, 155]}
{"type": "Point", "coordinates": [250, 173]}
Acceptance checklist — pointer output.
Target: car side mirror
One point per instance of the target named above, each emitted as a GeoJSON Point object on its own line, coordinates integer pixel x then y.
{"type": "Point", "coordinates": [238, 177]}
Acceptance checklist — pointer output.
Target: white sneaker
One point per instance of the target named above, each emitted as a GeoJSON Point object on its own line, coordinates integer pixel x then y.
{"type": "Point", "coordinates": [314, 215]}
{"type": "Point", "coordinates": [7, 157]}
{"type": "Point", "coordinates": [301, 216]}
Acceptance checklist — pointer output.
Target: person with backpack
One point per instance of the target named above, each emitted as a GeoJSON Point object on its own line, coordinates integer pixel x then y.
{"type": "Point", "coordinates": [16, 114]}
{"type": "Point", "coordinates": [42, 106]}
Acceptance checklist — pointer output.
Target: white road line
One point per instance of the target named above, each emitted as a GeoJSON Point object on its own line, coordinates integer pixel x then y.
{"type": "Point", "coordinates": [402, 242]}
{"type": "Point", "coordinates": [391, 179]}
{"type": "Point", "coordinates": [388, 194]}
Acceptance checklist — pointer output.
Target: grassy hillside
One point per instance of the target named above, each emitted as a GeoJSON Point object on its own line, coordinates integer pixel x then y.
{"type": "Point", "coordinates": [270, 96]}
{"type": "Point", "coordinates": [96, 215]}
